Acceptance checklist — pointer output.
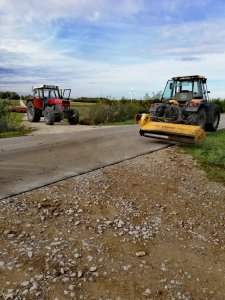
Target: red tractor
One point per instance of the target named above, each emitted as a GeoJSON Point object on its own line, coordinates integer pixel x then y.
{"type": "Point", "coordinates": [50, 102]}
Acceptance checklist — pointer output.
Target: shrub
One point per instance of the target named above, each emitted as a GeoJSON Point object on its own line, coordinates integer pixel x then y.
{"type": "Point", "coordinates": [220, 103]}
{"type": "Point", "coordinates": [7, 121]}
{"type": "Point", "coordinates": [115, 111]}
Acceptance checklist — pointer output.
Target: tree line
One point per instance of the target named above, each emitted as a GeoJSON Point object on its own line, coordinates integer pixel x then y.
{"type": "Point", "coordinates": [9, 95]}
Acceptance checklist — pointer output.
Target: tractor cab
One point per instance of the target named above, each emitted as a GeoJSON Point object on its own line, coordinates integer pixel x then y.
{"type": "Point", "coordinates": [49, 93]}
{"type": "Point", "coordinates": [186, 88]}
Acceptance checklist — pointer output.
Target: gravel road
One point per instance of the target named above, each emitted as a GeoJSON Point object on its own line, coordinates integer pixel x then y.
{"type": "Point", "coordinates": [147, 228]}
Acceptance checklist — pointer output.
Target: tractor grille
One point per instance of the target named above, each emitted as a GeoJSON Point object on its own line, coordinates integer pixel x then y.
{"type": "Point", "coordinates": [66, 103]}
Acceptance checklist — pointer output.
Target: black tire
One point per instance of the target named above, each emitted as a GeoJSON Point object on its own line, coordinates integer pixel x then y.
{"type": "Point", "coordinates": [58, 119]}
{"type": "Point", "coordinates": [216, 120]}
{"type": "Point", "coordinates": [49, 115]}
{"type": "Point", "coordinates": [33, 114]}
{"type": "Point", "coordinates": [201, 117]}
{"type": "Point", "coordinates": [198, 118]}
{"type": "Point", "coordinates": [73, 119]}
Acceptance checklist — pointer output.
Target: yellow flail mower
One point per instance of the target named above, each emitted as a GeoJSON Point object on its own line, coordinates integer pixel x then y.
{"type": "Point", "coordinates": [174, 132]}
{"type": "Point", "coordinates": [183, 114]}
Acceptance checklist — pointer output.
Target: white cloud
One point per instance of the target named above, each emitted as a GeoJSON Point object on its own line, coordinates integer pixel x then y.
{"type": "Point", "coordinates": [124, 51]}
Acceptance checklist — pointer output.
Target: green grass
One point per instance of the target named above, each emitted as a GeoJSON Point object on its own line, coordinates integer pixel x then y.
{"type": "Point", "coordinates": [127, 122]}
{"type": "Point", "coordinates": [10, 134]}
{"type": "Point", "coordinates": [80, 104]}
{"type": "Point", "coordinates": [211, 155]}
{"type": "Point", "coordinates": [10, 102]}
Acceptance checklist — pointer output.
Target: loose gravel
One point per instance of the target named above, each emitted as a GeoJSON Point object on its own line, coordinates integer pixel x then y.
{"type": "Point", "coordinates": [147, 228]}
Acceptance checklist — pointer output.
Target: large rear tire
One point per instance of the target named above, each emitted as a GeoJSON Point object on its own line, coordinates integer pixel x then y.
{"type": "Point", "coordinates": [201, 117]}
{"type": "Point", "coordinates": [49, 115]}
{"type": "Point", "coordinates": [198, 118]}
{"type": "Point", "coordinates": [33, 114]}
{"type": "Point", "coordinates": [216, 120]}
{"type": "Point", "coordinates": [73, 119]}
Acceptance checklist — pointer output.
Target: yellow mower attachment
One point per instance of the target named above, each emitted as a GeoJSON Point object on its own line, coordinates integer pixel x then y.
{"type": "Point", "coordinates": [181, 133]}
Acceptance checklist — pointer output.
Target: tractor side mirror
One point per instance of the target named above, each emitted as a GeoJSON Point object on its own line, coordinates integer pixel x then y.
{"type": "Point", "coordinates": [208, 92]}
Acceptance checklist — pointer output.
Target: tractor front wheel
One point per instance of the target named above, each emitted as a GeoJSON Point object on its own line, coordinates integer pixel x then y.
{"type": "Point", "coordinates": [58, 118]}
{"type": "Point", "coordinates": [33, 114]}
{"type": "Point", "coordinates": [73, 119]}
{"type": "Point", "coordinates": [49, 115]}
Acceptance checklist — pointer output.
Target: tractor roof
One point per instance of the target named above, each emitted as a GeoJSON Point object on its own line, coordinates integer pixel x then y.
{"type": "Point", "coordinates": [190, 78]}
{"type": "Point", "coordinates": [45, 87]}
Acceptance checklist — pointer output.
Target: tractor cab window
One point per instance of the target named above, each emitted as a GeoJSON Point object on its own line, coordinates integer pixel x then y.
{"type": "Point", "coordinates": [50, 94]}
{"type": "Point", "coordinates": [184, 86]}
{"type": "Point", "coordinates": [195, 88]}
{"type": "Point", "coordinates": [37, 94]}
{"type": "Point", "coordinates": [46, 94]}
{"type": "Point", "coordinates": [167, 94]}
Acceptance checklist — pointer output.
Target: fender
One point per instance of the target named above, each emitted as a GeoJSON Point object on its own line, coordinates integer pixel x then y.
{"type": "Point", "coordinates": [37, 103]}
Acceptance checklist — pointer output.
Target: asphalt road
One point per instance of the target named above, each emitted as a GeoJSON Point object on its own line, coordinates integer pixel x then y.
{"type": "Point", "coordinates": [33, 161]}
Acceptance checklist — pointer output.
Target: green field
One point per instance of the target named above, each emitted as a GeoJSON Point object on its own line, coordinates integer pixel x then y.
{"type": "Point", "coordinates": [83, 108]}
{"type": "Point", "coordinates": [211, 155]}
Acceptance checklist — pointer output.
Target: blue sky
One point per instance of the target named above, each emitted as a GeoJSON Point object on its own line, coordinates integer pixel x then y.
{"type": "Point", "coordinates": [109, 47]}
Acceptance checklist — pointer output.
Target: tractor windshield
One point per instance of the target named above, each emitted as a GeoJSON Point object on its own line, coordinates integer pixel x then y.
{"type": "Point", "coordinates": [51, 94]}
{"type": "Point", "coordinates": [47, 94]}
{"type": "Point", "coordinates": [175, 89]}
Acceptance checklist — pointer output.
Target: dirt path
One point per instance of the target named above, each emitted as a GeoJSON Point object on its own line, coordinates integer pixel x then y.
{"type": "Point", "coordinates": [147, 228]}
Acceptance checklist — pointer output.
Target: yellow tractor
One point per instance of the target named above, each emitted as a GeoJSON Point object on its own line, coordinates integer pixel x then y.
{"type": "Point", "coordinates": [184, 112]}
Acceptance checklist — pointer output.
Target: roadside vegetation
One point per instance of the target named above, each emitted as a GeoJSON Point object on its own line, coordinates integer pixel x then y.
{"type": "Point", "coordinates": [112, 113]}
{"type": "Point", "coordinates": [10, 123]}
{"type": "Point", "coordinates": [211, 155]}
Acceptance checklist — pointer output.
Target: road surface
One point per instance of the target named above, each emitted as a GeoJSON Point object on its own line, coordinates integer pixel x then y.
{"type": "Point", "coordinates": [32, 161]}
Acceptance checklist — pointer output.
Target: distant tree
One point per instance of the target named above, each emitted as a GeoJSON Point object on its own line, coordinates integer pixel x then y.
{"type": "Point", "coordinates": [14, 96]}
{"type": "Point", "coordinates": [154, 96]}
{"type": "Point", "coordinates": [9, 95]}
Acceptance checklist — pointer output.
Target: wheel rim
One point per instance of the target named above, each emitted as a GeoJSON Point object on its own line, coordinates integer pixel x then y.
{"type": "Point", "coordinates": [31, 111]}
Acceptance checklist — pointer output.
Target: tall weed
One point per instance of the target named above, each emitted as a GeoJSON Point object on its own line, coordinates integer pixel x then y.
{"type": "Point", "coordinates": [7, 121]}
{"type": "Point", "coordinates": [110, 113]}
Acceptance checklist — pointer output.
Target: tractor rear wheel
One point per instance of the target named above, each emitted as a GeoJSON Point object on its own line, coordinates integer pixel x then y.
{"type": "Point", "coordinates": [33, 114]}
{"type": "Point", "coordinates": [49, 115]}
{"type": "Point", "coordinates": [201, 117]}
{"type": "Point", "coordinates": [73, 119]}
{"type": "Point", "coordinates": [216, 119]}
{"type": "Point", "coordinates": [198, 118]}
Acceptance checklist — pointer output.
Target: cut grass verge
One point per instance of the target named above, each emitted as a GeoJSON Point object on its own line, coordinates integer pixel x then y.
{"type": "Point", "coordinates": [127, 122]}
{"type": "Point", "coordinates": [211, 155]}
{"type": "Point", "coordinates": [11, 134]}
